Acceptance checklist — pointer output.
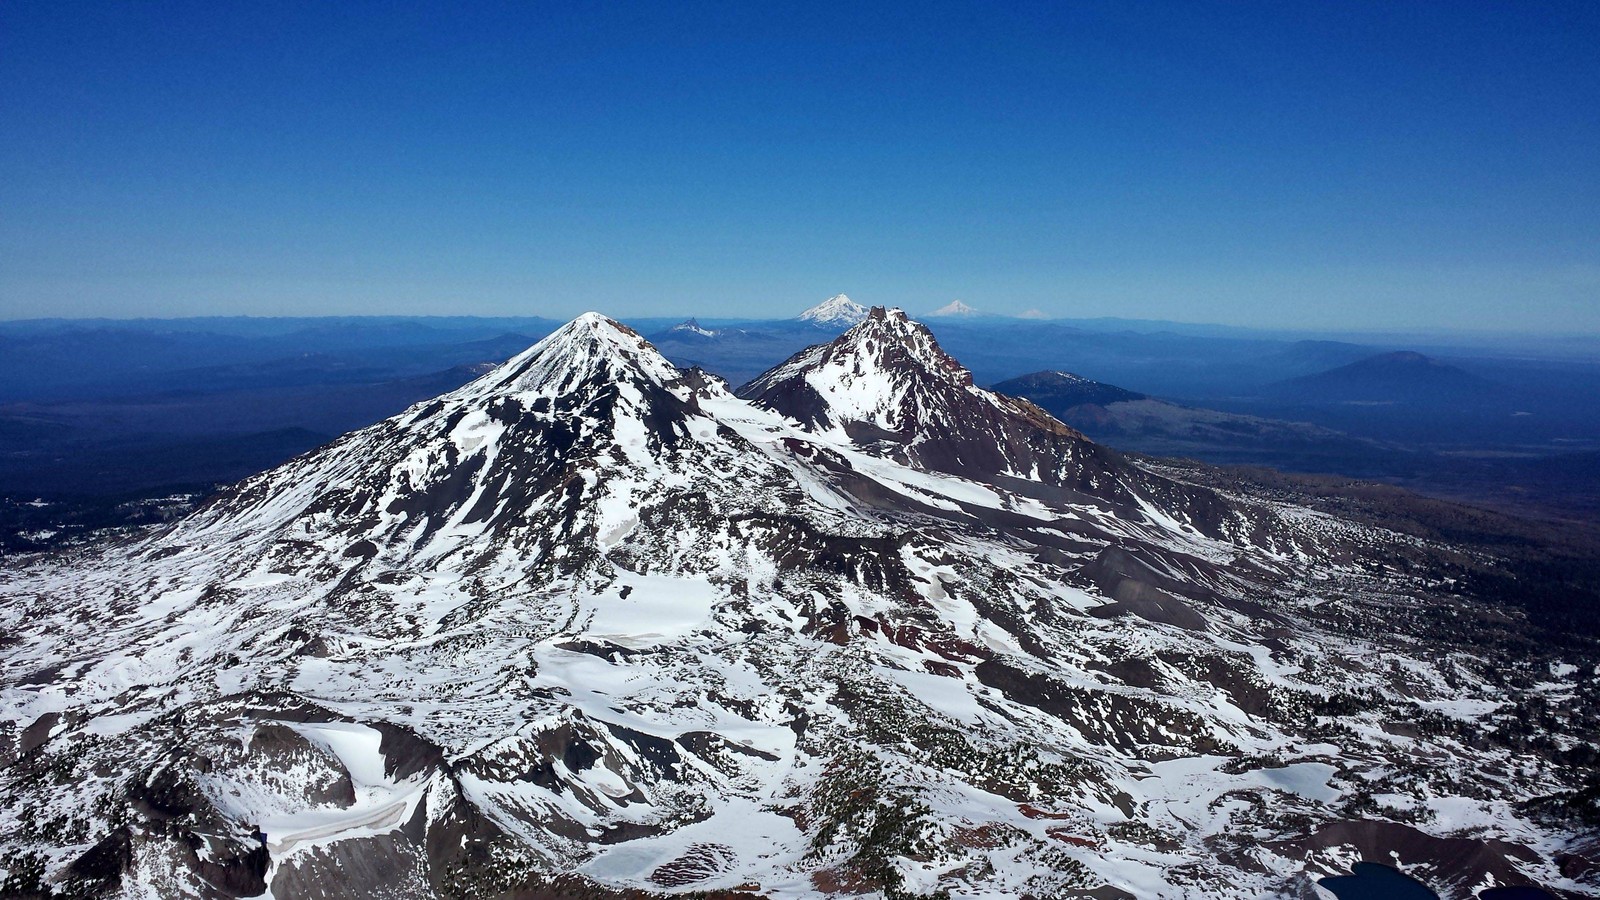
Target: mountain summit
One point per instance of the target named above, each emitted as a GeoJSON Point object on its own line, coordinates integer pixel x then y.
{"type": "Point", "coordinates": [955, 308]}
{"type": "Point", "coordinates": [835, 312]}
{"type": "Point", "coordinates": [593, 625]}
{"type": "Point", "coordinates": [887, 386]}
{"type": "Point", "coordinates": [876, 373]}
{"type": "Point", "coordinates": [588, 349]}
{"type": "Point", "coordinates": [691, 326]}
{"type": "Point", "coordinates": [485, 469]}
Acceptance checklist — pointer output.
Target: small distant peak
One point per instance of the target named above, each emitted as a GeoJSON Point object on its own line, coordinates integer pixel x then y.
{"type": "Point", "coordinates": [954, 308]}
{"type": "Point", "coordinates": [1400, 361]}
{"type": "Point", "coordinates": [1057, 391]}
{"type": "Point", "coordinates": [838, 311]}
{"type": "Point", "coordinates": [1407, 357]}
{"type": "Point", "coordinates": [1051, 377]}
{"type": "Point", "coordinates": [692, 327]}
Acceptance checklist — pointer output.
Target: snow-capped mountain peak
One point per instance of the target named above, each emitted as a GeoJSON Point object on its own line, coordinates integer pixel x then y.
{"type": "Point", "coordinates": [505, 461]}
{"type": "Point", "coordinates": [887, 338]}
{"type": "Point", "coordinates": [954, 308]}
{"type": "Point", "coordinates": [886, 385]}
{"type": "Point", "coordinates": [873, 374]}
{"type": "Point", "coordinates": [691, 326]}
{"type": "Point", "coordinates": [589, 346]}
{"type": "Point", "coordinates": [837, 311]}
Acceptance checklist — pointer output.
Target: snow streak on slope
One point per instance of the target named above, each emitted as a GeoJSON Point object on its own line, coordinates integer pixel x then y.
{"type": "Point", "coordinates": [595, 624]}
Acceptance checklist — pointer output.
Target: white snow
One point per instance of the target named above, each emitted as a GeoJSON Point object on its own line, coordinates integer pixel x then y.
{"type": "Point", "coordinates": [657, 608]}
{"type": "Point", "coordinates": [382, 804]}
{"type": "Point", "coordinates": [837, 311]}
{"type": "Point", "coordinates": [953, 308]}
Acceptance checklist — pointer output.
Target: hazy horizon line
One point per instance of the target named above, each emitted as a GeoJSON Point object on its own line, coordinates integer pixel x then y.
{"type": "Point", "coordinates": [980, 316]}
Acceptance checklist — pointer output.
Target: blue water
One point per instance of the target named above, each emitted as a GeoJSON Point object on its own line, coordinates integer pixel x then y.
{"type": "Point", "coordinates": [1372, 881]}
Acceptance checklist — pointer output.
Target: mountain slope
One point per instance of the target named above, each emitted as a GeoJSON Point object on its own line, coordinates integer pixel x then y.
{"type": "Point", "coordinates": [591, 625]}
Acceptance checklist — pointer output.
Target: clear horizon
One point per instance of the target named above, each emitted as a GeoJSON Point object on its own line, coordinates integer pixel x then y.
{"type": "Point", "coordinates": [1425, 167]}
{"type": "Point", "coordinates": [1284, 332]}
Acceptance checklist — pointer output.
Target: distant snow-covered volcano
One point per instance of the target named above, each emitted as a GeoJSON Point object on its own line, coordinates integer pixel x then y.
{"type": "Point", "coordinates": [836, 312]}
{"type": "Point", "coordinates": [955, 308]}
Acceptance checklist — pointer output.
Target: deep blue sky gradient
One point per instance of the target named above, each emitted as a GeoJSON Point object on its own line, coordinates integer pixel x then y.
{"type": "Point", "coordinates": [1384, 165]}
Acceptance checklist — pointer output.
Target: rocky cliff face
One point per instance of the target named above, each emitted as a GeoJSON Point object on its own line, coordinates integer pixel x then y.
{"type": "Point", "coordinates": [595, 626]}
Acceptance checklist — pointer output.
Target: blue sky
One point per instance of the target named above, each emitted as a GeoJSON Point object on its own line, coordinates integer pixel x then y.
{"type": "Point", "coordinates": [1341, 165]}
